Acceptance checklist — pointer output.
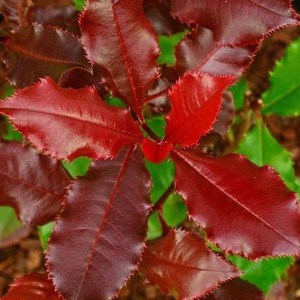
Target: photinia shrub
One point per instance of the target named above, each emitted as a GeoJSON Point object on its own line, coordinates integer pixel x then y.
{"type": "Point", "coordinates": [63, 107]}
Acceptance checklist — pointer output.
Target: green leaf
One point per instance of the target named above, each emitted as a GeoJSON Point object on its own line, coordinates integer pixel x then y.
{"type": "Point", "coordinates": [77, 167]}
{"type": "Point", "coordinates": [157, 124]}
{"type": "Point", "coordinates": [154, 227]}
{"type": "Point", "coordinates": [79, 4]}
{"type": "Point", "coordinates": [167, 47]}
{"type": "Point", "coordinates": [11, 133]}
{"type": "Point", "coordinates": [263, 149]}
{"type": "Point", "coordinates": [45, 233]}
{"type": "Point", "coordinates": [238, 92]}
{"type": "Point", "coordinates": [9, 223]}
{"type": "Point", "coordinates": [174, 210]}
{"type": "Point", "coordinates": [282, 98]}
{"type": "Point", "coordinates": [162, 176]}
{"type": "Point", "coordinates": [114, 101]}
{"type": "Point", "coordinates": [263, 273]}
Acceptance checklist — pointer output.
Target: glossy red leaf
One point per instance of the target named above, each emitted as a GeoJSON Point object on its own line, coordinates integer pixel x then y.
{"type": "Point", "coordinates": [181, 266]}
{"type": "Point", "coordinates": [33, 286]}
{"type": "Point", "coordinates": [102, 229]}
{"type": "Point", "coordinates": [196, 101]}
{"type": "Point", "coordinates": [242, 207]}
{"type": "Point", "coordinates": [36, 51]}
{"type": "Point", "coordinates": [201, 52]}
{"type": "Point", "coordinates": [120, 40]}
{"type": "Point", "coordinates": [237, 289]}
{"type": "Point", "coordinates": [156, 152]}
{"type": "Point", "coordinates": [33, 184]}
{"type": "Point", "coordinates": [236, 22]}
{"type": "Point", "coordinates": [67, 123]}
{"type": "Point", "coordinates": [158, 12]}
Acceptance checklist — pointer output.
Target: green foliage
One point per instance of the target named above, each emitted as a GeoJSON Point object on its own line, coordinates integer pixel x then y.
{"type": "Point", "coordinates": [45, 233]}
{"type": "Point", "coordinates": [282, 98]}
{"type": "Point", "coordinates": [12, 134]}
{"type": "Point", "coordinates": [77, 167]}
{"type": "Point", "coordinates": [157, 125]}
{"type": "Point", "coordinates": [167, 47]}
{"type": "Point", "coordinates": [262, 273]}
{"type": "Point", "coordinates": [263, 149]}
{"type": "Point", "coordinates": [238, 92]}
{"type": "Point", "coordinates": [154, 227]}
{"type": "Point", "coordinates": [8, 222]}
{"type": "Point", "coordinates": [79, 4]}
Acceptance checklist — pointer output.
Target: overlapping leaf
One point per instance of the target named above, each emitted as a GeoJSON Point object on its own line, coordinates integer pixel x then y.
{"type": "Point", "coordinates": [236, 22]}
{"type": "Point", "coordinates": [33, 286]}
{"type": "Point", "coordinates": [102, 229]}
{"type": "Point", "coordinates": [68, 123]}
{"type": "Point", "coordinates": [237, 289]}
{"type": "Point", "coordinates": [119, 39]}
{"type": "Point", "coordinates": [31, 183]}
{"type": "Point", "coordinates": [36, 51]}
{"type": "Point", "coordinates": [242, 207]}
{"type": "Point", "coordinates": [182, 267]}
{"type": "Point", "coordinates": [194, 113]}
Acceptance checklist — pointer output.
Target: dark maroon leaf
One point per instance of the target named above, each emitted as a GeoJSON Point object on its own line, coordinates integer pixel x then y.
{"type": "Point", "coordinates": [242, 207]}
{"type": "Point", "coordinates": [201, 52]}
{"type": "Point", "coordinates": [34, 185]}
{"type": "Point", "coordinates": [237, 289]}
{"type": "Point", "coordinates": [182, 267]}
{"type": "Point", "coordinates": [33, 286]}
{"type": "Point", "coordinates": [36, 51]}
{"type": "Point", "coordinates": [102, 229]}
{"type": "Point", "coordinates": [67, 123]}
{"type": "Point", "coordinates": [236, 22]}
{"type": "Point", "coordinates": [120, 40]}
{"type": "Point", "coordinates": [158, 12]}
{"type": "Point", "coordinates": [194, 112]}
{"type": "Point", "coordinates": [225, 116]}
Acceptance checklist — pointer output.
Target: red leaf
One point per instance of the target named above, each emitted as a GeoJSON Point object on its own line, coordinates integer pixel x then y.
{"type": "Point", "coordinates": [237, 289]}
{"type": "Point", "coordinates": [43, 51]}
{"type": "Point", "coordinates": [33, 286]}
{"type": "Point", "coordinates": [156, 152]}
{"type": "Point", "coordinates": [34, 185]}
{"type": "Point", "coordinates": [102, 229]}
{"type": "Point", "coordinates": [242, 207]}
{"type": "Point", "coordinates": [182, 267]}
{"type": "Point", "coordinates": [201, 52]}
{"type": "Point", "coordinates": [158, 12]}
{"type": "Point", "coordinates": [119, 39]}
{"type": "Point", "coordinates": [196, 101]}
{"type": "Point", "coordinates": [236, 22]}
{"type": "Point", "coordinates": [68, 123]}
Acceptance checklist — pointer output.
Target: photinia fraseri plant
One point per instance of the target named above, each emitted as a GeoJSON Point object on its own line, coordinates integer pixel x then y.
{"type": "Point", "coordinates": [99, 237]}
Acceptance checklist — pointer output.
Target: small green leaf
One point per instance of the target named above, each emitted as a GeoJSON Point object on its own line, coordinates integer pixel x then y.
{"type": "Point", "coordinates": [154, 227]}
{"type": "Point", "coordinates": [167, 47]}
{"type": "Point", "coordinates": [162, 176]}
{"type": "Point", "coordinates": [45, 233]}
{"type": "Point", "coordinates": [157, 124]}
{"type": "Point", "coordinates": [114, 101]}
{"type": "Point", "coordinates": [79, 4]}
{"type": "Point", "coordinates": [263, 273]}
{"type": "Point", "coordinates": [77, 167]}
{"type": "Point", "coordinates": [263, 149]}
{"type": "Point", "coordinates": [282, 98]}
{"type": "Point", "coordinates": [238, 92]}
{"type": "Point", "coordinates": [174, 210]}
{"type": "Point", "coordinates": [11, 133]}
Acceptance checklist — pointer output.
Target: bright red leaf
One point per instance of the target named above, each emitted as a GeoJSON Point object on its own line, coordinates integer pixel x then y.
{"type": "Point", "coordinates": [237, 289]}
{"type": "Point", "coordinates": [120, 40]}
{"type": "Point", "coordinates": [196, 101]}
{"type": "Point", "coordinates": [181, 266]}
{"type": "Point", "coordinates": [102, 229]}
{"type": "Point", "coordinates": [242, 207]}
{"type": "Point", "coordinates": [67, 123]}
{"type": "Point", "coordinates": [37, 51]}
{"type": "Point", "coordinates": [33, 286]}
{"type": "Point", "coordinates": [33, 184]}
{"type": "Point", "coordinates": [156, 152]}
{"type": "Point", "coordinates": [236, 22]}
